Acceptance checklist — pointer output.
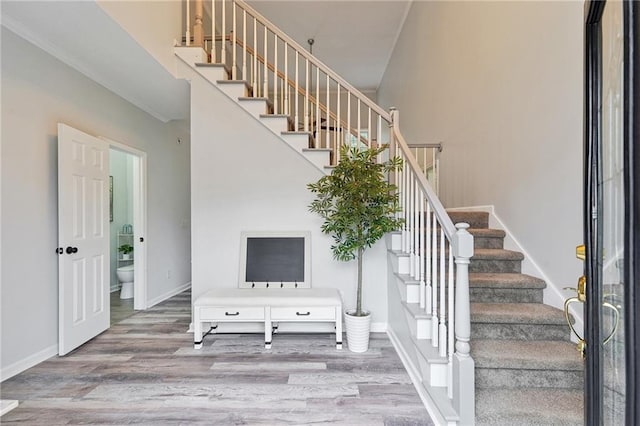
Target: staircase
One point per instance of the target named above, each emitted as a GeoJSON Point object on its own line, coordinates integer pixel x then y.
{"type": "Point", "coordinates": [527, 370]}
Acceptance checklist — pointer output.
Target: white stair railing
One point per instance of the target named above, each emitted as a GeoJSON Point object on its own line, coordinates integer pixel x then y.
{"type": "Point", "coordinates": [320, 102]}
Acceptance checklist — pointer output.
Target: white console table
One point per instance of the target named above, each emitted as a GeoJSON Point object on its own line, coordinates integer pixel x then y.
{"type": "Point", "coordinates": [268, 306]}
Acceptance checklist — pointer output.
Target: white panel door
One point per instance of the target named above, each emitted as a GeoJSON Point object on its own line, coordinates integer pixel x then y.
{"type": "Point", "coordinates": [83, 237]}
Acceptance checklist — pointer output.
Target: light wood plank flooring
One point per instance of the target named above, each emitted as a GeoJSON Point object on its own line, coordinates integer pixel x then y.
{"type": "Point", "coordinates": [120, 308]}
{"type": "Point", "coordinates": [144, 370]}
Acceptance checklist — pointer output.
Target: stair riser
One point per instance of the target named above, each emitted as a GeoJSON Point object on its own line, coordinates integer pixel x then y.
{"type": "Point", "coordinates": [506, 295]}
{"type": "Point", "coordinates": [488, 242]}
{"type": "Point", "coordinates": [234, 90]}
{"type": "Point", "coordinates": [475, 219]}
{"type": "Point", "coordinates": [495, 266]}
{"type": "Point", "coordinates": [254, 107]}
{"type": "Point", "coordinates": [276, 124]}
{"type": "Point", "coordinates": [523, 378]}
{"type": "Point", "coordinates": [519, 331]}
{"type": "Point", "coordinates": [433, 374]}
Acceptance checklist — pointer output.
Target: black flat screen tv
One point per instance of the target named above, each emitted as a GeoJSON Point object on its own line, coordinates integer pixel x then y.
{"type": "Point", "coordinates": [275, 260]}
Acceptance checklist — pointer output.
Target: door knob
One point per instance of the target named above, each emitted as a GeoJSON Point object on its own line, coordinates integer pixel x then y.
{"type": "Point", "coordinates": [71, 250]}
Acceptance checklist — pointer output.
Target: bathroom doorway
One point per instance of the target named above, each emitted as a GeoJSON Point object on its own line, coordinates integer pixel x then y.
{"type": "Point", "coordinates": [127, 215]}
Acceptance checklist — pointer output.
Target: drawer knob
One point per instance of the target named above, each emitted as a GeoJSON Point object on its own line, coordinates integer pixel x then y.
{"type": "Point", "coordinates": [303, 314]}
{"type": "Point", "coordinates": [234, 314]}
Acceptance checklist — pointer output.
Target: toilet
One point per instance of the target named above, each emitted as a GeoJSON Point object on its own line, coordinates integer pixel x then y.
{"type": "Point", "coordinates": [125, 276]}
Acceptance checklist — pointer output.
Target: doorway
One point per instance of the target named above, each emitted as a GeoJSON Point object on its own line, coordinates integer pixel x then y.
{"type": "Point", "coordinates": [127, 229]}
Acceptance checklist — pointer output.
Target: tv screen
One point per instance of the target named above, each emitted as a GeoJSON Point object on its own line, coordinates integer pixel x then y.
{"type": "Point", "coordinates": [271, 260]}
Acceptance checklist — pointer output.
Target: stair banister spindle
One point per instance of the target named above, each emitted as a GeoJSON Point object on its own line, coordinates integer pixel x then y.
{"type": "Point", "coordinates": [442, 332]}
{"type": "Point", "coordinates": [416, 225]}
{"type": "Point", "coordinates": [369, 130]}
{"type": "Point", "coordinates": [198, 33]}
{"type": "Point", "coordinates": [339, 132]}
{"type": "Point", "coordinates": [265, 77]}
{"type": "Point", "coordinates": [348, 135]}
{"type": "Point", "coordinates": [359, 131]}
{"type": "Point", "coordinates": [318, 107]}
{"type": "Point", "coordinates": [244, 46]}
{"type": "Point", "coordinates": [297, 94]}
{"type": "Point", "coordinates": [276, 109]}
{"type": "Point", "coordinates": [187, 34]}
{"type": "Point", "coordinates": [423, 288]}
{"type": "Point", "coordinates": [427, 259]}
{"type": "Point", "coordinates": [327, 116]}
{"type": "Point", "coordinates": [451, 324]}
{"type": "Point", "coordinates": [234, 45]}
{"type": "Point", "coordinates": [287, 107]}
{"type": "Point", "coordinates": [223, 52]}
{"type": "Point", "coordinates": [256, 88]}
{"type": "Point", "coordinates": [434, 284]}
{"type": "Point", "coordinates": [214, 55]}
{"type": "Point", "coordinates": [412, 226]}
{"type": "Point", "coordinates": [463, 364]}
{"type": "Point", "coordinates": [306, 97]}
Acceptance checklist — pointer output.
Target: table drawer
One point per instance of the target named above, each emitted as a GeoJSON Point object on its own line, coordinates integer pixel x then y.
{"type": "Point", "coordinates": [241, 313]}
{"type": "Point", "coordinates": [313, 313]}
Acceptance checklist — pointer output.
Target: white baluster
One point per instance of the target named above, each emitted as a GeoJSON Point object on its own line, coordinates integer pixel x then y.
{"type": "Point", "coordinates": [427, 239]}
{"type": "Point", "coordinates": [244, 46]}
{"type": "Point", "coordinates": [423, 288]}
{"type": "Point", "coordinates": [434, 284]}
{"type": "Point", "coordinates": [256, 86]}
{"type": "Point", "coordinates": [328, 117]}
{"type": "Point", "coordinates": [214, 54]}
{"type": "Point", "coordinates": [234, 40]}
{"type": "Point", "coordinates": [451, 324]}
{"type": "Point", "coordinates": [306, 97]}
{"type": "Point", "coordinates": [463, 365]}
{"type": "Point", "coordinates": [198, 33]}
{"type": "Point", "coordinates": [276, 110]}
{"type": "Point", "coordinates": [443, 301]}
{"type": "Point", "coordinates": [369, 132]}
{"type": "Point", "coordinates": [412, 226]}
{"type": "Point", "coordinates": [339, 126]}
{"type": "Point", "coordinates": [318, 107]}
{"type": "Point", "coordinates": [297, 95]}
{"type": "Point", "coordinates": [358, 132]}
{"type": "Point", "coordinates": [416, 224]}
{"type": "Point", "coordinates": [348, 141]}
{"type": "Point", "coordinates": [287, 108]}
{"type": "Point", "coordinates": [379, 132]}
{"type": "Point", "coordinates": [223, 52]}
{"type": "Point", "coordinates": [188, 25]}
{"type": "Point", "coordinates": [265, 77]}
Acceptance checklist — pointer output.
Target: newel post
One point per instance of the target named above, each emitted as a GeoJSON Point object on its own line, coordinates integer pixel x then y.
{"type": "Point", "coordinates": [463, 365]}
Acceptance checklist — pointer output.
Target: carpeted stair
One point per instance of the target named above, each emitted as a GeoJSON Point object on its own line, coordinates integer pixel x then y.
{"type": "Point", "coordinates": [527, 370]}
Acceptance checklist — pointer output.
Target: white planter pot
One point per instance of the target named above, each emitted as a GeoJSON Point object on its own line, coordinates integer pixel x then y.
{"type": "Point", "coordinates": [126, 257]}
{"type": "Point", "coordinates": [358, 331]}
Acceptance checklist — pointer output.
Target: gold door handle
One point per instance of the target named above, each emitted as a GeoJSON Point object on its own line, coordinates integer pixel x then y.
{"type": "Point", "coordinates": [581, 252]}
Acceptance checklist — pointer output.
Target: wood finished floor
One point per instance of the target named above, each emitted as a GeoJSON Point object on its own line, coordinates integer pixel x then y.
{"type": "Point", "coordinates": [144, 370]}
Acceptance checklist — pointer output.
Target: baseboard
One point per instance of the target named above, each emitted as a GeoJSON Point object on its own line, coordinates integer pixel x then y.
{"type": "Point", "coordinates": [22, 365]}
{"type": "Point", "coordinates": [7, 405]}
{"type": "Point", "coordinates": [415, 376]}
{"type": "Point", "coordinates": [554, 295]}
{"type": "Point", "coordinates": [168, 295]}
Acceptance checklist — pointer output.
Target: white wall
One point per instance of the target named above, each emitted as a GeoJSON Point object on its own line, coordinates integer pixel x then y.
{"type": "Point", "coordinates": [500, 85]}
{"type": "Point", "coordinates": [246, 178]}
{"type": "Point", "coordinates": [39, 91]}
{"type": "Point", "coordinates": [153, 24]}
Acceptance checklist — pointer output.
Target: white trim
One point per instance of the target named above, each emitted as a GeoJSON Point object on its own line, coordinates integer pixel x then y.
{"type": "Point", "coordinates": [28, 362]}
{"type": "Point", "coordinates": [168, 295]}
{"type": "Point", "coordinates": [7, 405]}
{"type": "Point", "coordinates": [415, 376]}
{"type": "Point", "coordinates": [379, 327]}
{"type": "Point", "coordinates": [554, 295]}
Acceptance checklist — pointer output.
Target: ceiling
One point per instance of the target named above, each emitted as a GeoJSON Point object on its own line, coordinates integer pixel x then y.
{"type": "Point", "coordinates": [355, 38]}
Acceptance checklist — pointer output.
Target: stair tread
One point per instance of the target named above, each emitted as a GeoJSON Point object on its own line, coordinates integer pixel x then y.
{"type": "Point", "coordinates": [415, 310]}
{"type": "Point", "coordinates": [516, 313]}
{"type": "Point", "coordinates": [496, 254]}
{"type": "Point", "coordinates": [428, 351]}
{"type": "Point", "coordinates": [504, 280]}
{"type": "Point", "coordinates": [526, 354]}
{"type": "Point", "coordinates": [529, 407]}
{"type": "Point", "coordinates": [316, 149]}
{"type": "Point", "coordinates": [487, 232]}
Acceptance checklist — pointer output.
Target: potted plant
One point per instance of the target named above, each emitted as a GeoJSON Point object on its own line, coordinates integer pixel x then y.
{"type": "Point", "coordinates": [359, 207]}
{"type": "Point", "coordinates": [126, 250]}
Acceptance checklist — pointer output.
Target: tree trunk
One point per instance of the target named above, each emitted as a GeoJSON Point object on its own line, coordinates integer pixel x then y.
{"type": "Point", "coordinates": [359, 294]}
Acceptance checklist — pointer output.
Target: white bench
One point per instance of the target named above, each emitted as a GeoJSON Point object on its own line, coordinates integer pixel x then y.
{"type": "Point", "coordinates": [268, 306]}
